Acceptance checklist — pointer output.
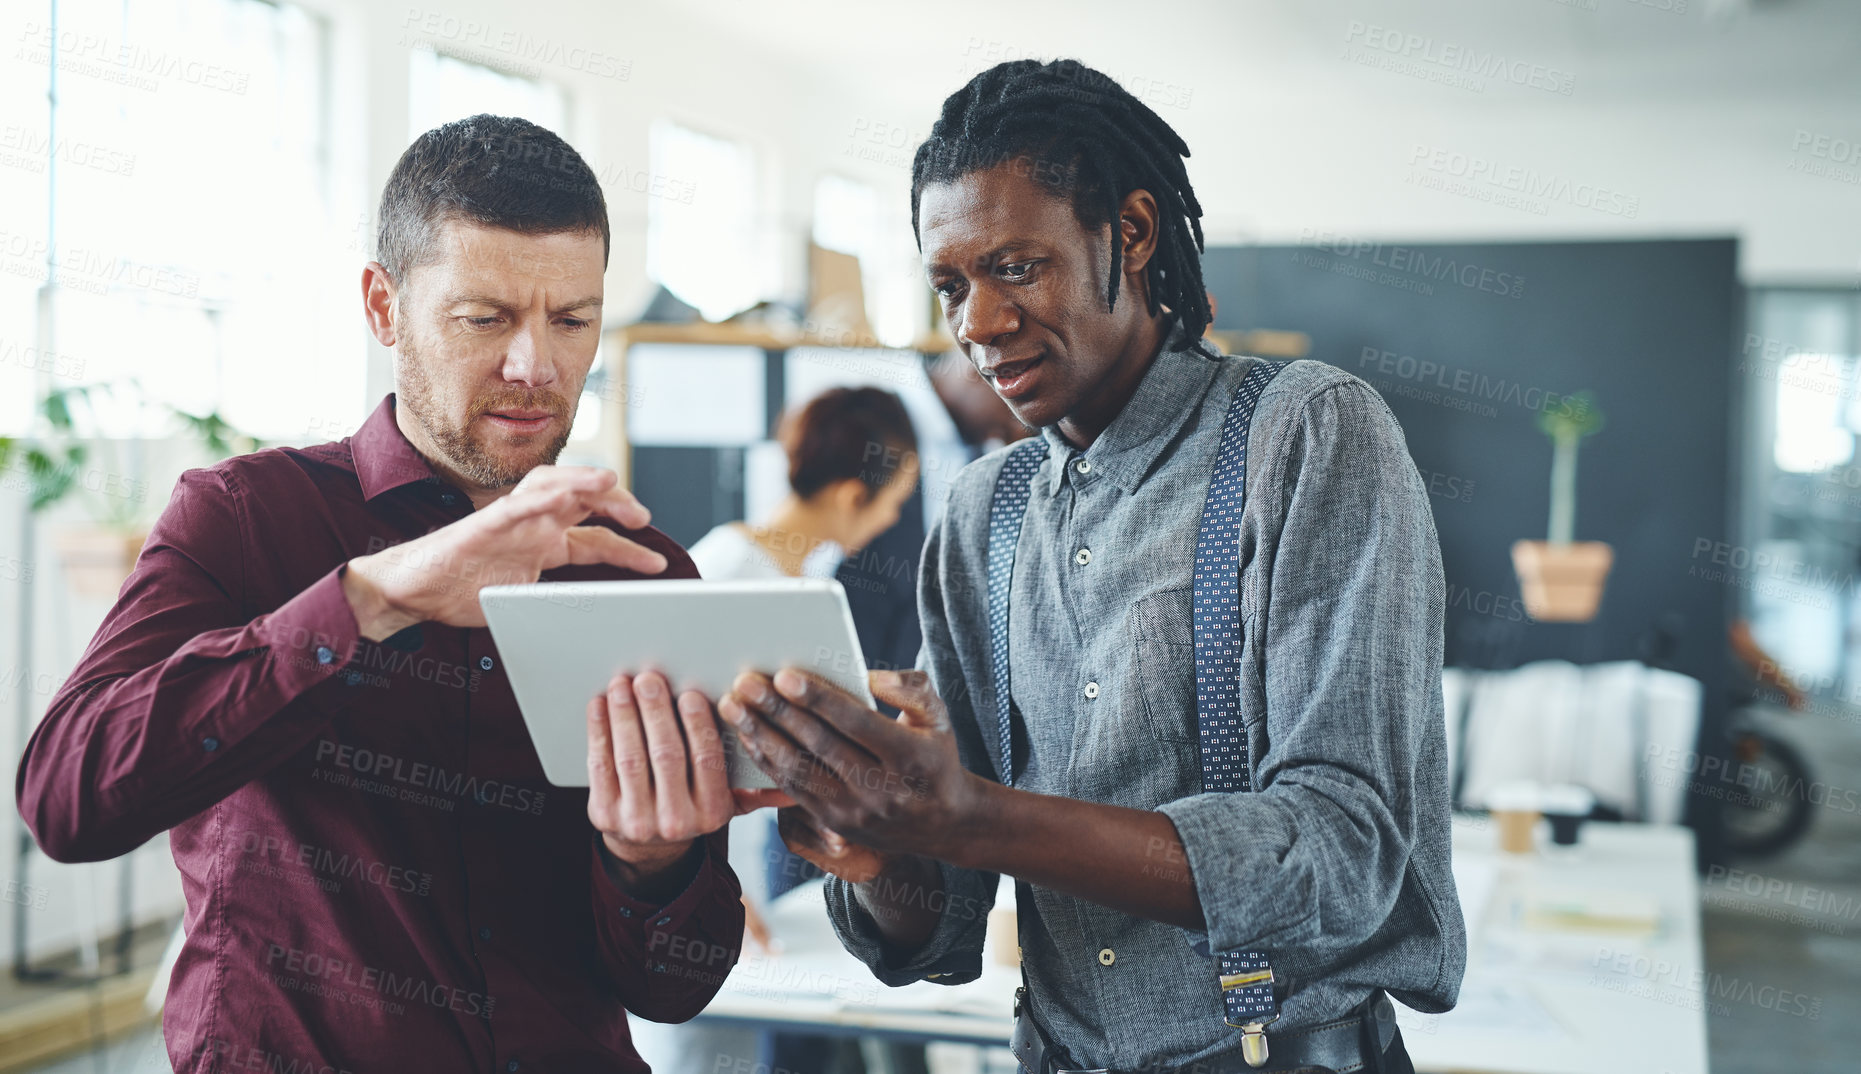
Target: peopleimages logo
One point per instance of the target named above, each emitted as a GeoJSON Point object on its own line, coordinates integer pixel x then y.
{"type": "Point", "coordinates": [417, 777]}
{"type": "Point", "coordinates": [1409, 261]}
{"type": "Point", "coordinates": [1467, 382]}
{"type": "Point", "coordinates": [1450, 56]}
{"type": "Point", "coordinates": [333, 865]}
{"type": "Point", "coordinates": [372, 984]}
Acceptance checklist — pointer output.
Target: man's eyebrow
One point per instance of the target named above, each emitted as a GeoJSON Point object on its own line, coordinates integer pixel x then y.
{"type": "Point", "coordinates": [475, 299]}
{"type": "Point", "coordinates": [581, 304]}
{"type": "Point", "coordinates": [1000, 252]}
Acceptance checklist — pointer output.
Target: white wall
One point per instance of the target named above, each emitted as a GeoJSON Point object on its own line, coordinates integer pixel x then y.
{"type": "Point", "coordinates": [1695, 117]}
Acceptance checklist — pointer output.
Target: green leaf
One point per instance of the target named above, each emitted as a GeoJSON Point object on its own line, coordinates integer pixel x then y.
{"type": "Point", "coordinates": [53, 478]}
{"type": "Point", "coordinates": [1576, 417]}
{"type": "Point", "coordinates": [56, 406]}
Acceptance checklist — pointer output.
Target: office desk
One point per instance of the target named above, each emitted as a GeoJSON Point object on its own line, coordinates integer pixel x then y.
{"type": "Point", "coordinates": [1540, 1000]}
{"type": "Point", "coordinates": [1534, 1002]}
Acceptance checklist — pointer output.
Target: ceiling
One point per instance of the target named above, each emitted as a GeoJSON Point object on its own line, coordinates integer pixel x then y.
{"type": "Point", "coordinates": [1630, 50]}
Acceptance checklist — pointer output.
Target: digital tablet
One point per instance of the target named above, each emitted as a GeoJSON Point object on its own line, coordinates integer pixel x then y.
{"type": "Point", "coordinates": [562, 641]}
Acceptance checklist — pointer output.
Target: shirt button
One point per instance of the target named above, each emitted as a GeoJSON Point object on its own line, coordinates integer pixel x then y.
{"type": "Point", "coordinates": [1083, 556]}
{"type": "Point", "coordinates": [324, 655]}
{"type": "Point", "coordinates": [1107, 957]}
{"type": "Point", "coordinates": [1083, 466]}
{"type": "Point", "coordinates": [484, 934]}
{"type": "Point", "coordinates": [450, 498]}
{"type": "Point", "coordinates": [512, 1065]}
{"type": "Point", "coordinates": [1092, 689]}
{"type": "Point", "coordinates": [351, 678]}
{"type": "Point", "coordinates": [663, 921]}
{"type": "Point", "coordinates": [484, 663]}
{"type": "Point", "coordinates": [209, 743]}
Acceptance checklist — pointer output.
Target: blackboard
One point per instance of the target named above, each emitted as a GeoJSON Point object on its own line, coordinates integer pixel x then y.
{"type": "Point", "coordinates": [1466, 342]}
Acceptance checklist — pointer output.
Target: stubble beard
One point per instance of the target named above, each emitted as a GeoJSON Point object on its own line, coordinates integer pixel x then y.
{"type": "Point", "coordinates": [467, 454]}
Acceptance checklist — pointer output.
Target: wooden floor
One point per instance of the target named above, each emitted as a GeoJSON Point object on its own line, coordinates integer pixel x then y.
{"type": "Point", "coordinates": [41, 1022]}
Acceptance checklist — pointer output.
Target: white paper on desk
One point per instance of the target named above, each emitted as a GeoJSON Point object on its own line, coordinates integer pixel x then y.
{"type": "Point", "coordinates": [1487, 1006]}
{"type": "Point", "coordinates": [1556, 956]}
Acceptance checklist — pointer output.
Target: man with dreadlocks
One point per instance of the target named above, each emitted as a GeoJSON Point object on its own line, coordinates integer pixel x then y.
{"type": "Point", "coordinates": [1181, 676]}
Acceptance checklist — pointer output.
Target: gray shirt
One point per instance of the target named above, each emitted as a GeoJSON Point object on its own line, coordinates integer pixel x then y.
{"type": "Point", "coordinates": [1337, 865]}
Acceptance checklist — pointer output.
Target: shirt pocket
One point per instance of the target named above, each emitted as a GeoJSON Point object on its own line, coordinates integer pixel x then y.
{"type": "Point", "coordinates": [1166, 664]}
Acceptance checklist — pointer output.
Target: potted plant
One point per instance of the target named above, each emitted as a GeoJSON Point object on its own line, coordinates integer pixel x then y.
{"type": "Point", "coordinates": [1560, 578]}
{"type": "Point", "coordinates": [74, 458]}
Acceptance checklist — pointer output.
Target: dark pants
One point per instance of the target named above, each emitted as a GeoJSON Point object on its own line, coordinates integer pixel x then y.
{"type": "Point", "coordinates": [1395, 1059]}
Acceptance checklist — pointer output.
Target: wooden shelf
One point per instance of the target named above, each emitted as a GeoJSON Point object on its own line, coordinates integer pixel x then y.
{"type": "Point", "coordinates": [616, 451]}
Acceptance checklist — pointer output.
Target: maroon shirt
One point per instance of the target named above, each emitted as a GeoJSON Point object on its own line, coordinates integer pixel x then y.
{"type": "Point", "coordinates": [378, 877]}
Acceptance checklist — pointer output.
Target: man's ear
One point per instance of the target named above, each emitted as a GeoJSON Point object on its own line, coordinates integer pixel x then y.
{"type": "Point", "coordinates": [378, 302]}
{"type": "Point", "coordinates": [1138, 218]}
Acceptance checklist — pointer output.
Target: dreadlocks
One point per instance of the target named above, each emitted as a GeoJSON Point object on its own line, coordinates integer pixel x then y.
{"type": "Point", "coordinates": [1091, 140]}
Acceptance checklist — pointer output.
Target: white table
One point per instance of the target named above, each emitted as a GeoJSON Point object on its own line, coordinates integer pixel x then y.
{"type": "Point", "coordinates": [1565, 1001]}
{"type": "Point", "coordinates": [1534, 1001]}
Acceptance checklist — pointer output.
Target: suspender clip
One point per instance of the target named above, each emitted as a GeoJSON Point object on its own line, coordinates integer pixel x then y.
{"type": "Point", "coordinates": [1254, 1044]}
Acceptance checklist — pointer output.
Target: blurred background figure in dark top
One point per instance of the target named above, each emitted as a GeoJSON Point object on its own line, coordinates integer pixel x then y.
{"type": "Point", "coordinates": [881, 580]}
{"type": "Point", "coordinates": [852, 469]}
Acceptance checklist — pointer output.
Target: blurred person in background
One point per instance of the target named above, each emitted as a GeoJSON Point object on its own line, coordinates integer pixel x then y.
{"type": "Point", "coordinates": [852, 465]}
{"type": "Point", "coordinates": [958, 418]}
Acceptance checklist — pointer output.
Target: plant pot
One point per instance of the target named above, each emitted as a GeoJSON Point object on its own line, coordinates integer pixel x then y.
{"type": "Point", "coordinates": [1562, 583]}
{"type": "Point", "coordinates": [97, 561]}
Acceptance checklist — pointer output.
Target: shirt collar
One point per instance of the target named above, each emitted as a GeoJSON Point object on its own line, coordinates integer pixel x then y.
{"type": "Point", "coordinates": [384, 459]}
{"type": "Point", "coordinates": [1124, 453]}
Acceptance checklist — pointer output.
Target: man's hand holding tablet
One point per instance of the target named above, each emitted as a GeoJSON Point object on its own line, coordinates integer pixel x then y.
{"type": "Point", "coordinates": [649, 748]}
{"type": "Point", "coordinates": [874, 796]}
{"type": "Point", "coordinates": [657, 779]}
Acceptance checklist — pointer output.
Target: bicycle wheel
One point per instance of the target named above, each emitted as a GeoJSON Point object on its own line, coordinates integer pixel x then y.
{"type": "Point", "coordinates": [1771, 808]}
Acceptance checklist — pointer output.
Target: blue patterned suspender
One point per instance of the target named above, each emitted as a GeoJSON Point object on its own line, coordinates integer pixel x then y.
{"type": "Point", "coordinates": [1246, 981]}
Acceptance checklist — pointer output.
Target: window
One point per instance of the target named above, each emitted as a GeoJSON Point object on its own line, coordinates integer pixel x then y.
{"type": "Point", "coordinates": [708, 250]}
{"type": "Point", "coordinates": [851, 217]}
{"type": "Point", "coordinates": [442, 88]}
{"type": "Point", "coordinates": [1800, 368]}
{"type": "Point", "coordinates": [179, 190]}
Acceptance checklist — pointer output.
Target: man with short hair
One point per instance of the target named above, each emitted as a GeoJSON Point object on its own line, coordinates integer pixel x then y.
{"type": "Point", "coordinates": [1182, 666]}
{"type": "Point", "coordinates": [297, 684]}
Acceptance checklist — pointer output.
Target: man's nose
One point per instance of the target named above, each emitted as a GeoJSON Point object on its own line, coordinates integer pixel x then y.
{"type": "Point", "coordinates": [987, 317]}
{"type": "Point", "coordinates": [528, 360]}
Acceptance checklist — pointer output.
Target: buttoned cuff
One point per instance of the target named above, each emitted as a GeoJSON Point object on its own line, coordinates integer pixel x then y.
{"type": "Point", "coordinates": [952, 954]}
{"type": "Point", "coordinates": [313, 636]}
{"type": "Point", "coordinates": [1256, 894]}
{"type": "Point", "coordinates": [662, 936]}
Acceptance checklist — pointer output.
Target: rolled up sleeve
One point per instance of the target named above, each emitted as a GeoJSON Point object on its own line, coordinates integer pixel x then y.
{"type": "Point", "coordinates": [1348, 631]}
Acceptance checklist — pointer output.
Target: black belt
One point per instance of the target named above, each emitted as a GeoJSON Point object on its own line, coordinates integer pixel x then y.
{"type": "Point", "coordinates": [1339, 1045]}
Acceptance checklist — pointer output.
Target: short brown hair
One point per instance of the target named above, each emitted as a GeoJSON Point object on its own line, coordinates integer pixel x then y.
{"type": "Point", "coordinates": [842, 433]}
{"type": "Point", "coordinates": [497, 171]}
